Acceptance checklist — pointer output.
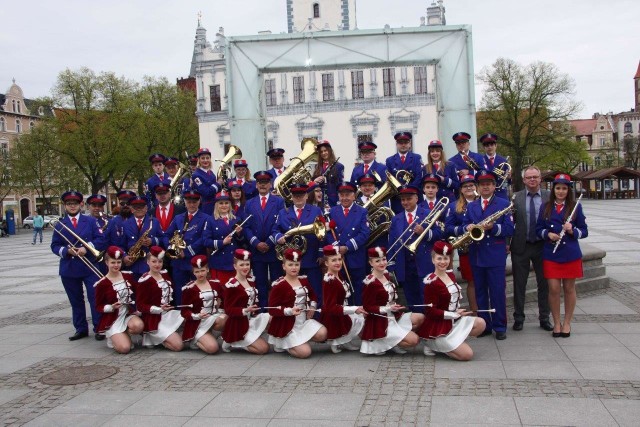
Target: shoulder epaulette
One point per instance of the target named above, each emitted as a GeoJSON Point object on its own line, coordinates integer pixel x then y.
{"type": "Point", "coordinates": [189, 285]}
{"type": "Point", "coordinates": [304, 276]}
{"type": "Point", "coordinates": [277, 281]}
{"type": "Point", "coordinates": [328, 277]}
{"type": "Point", "coordinates": [430, 278]}
{"type": "Point", "coordinates": [369, 279]}
{"type": "Point", "coordinates": [144, 277]}
{"type": "Point", "coordinates": [232, 283]}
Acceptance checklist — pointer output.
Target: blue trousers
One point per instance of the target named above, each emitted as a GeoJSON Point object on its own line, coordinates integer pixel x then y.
{"type": "Point", "coordinates": [265, 273]}
{"type": "Point", "coordinates": [412, 285]}
{"type": "Point", "coordinates": [357, 276]}
{"type": "Point", "coordinates": [490, 284]}
{"type": "Point", "coordinates": [37, 231]}
{"type": "Point", "coordinates": [75, 293]}
{"type": "Point", "coordinates": [314, 275]}
{"type": "Point", "coordinates": [180, 279]}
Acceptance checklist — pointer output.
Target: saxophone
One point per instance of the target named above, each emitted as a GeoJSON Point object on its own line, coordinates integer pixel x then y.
{"type": "Point", "coordinates": [137, 250]}
{"type": "Point", "coordinates": [477, 230]}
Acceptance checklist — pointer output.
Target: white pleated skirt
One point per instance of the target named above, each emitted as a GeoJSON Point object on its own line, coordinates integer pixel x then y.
{"type": "Point", "coordinates": [120, 325]}
{"type": "Point", "coordinates": [257, 325]}
{"type": "Point", "coordinates": [204, 327]}
{"type": "Point", "coordinates": [357, 322]}
{"type": "Point", "coordinates": [303, 330]}
{"type": "Point", "coordinates": [454, 338]}
{"type": "Point", "coordinates": [169, 323]}
{"type": "Point", "coordinates": [396, 331]}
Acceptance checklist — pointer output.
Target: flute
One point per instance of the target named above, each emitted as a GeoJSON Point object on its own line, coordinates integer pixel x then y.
{"type": "Point", "coordinates": [491, 310]}
{"type": "Point", "coordinates": [562, 233]}
{"type": "Point", "coordinates": [233, 233]}
{"type": "Point", "coordinates": [183, 306]}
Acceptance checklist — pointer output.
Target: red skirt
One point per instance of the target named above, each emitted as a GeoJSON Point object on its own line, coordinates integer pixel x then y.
{"type": "Point", "coordinates": [562, 270]}
{"type": "Point", "coordinates": [222, 275]}
{"type": "Point", "coordinates": [465, 267]}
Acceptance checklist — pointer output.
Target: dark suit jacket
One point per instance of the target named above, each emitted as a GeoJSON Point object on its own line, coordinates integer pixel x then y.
{"type": "Point", "coordinates": [519, 238]}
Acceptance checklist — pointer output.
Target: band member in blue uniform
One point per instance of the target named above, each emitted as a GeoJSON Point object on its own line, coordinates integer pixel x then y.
{"type": "Point", "coordinates": [243, 178]}
{"type": "Point", "coordinates": [171, 167]}
{"type": "Point", "coordinates": [205, 182]}
{"type": "Point", "coordinates": [368, 187]}
{"type": "Point", "coordinates": [462, 145]}
{"type": "Point", "coordinates": [114, 234]}
{"type": "Point", "coordinates": [329, 173]}
{"type": "Point", "coordinates": [140, 231]}
{"type": "Point", "coordinates": [443, 169]}
{"type": "Point", "coordinates": [369, 164]}
{"type": "Point", "coordinates": [165, 209]}
{"type": "Point", "coordinates": [488, 257]}
{"type": "Point", "coordinates": [276, 159]}
{"type": "Point", "coordinates": [301, 214]}
{"type": "Point", "coordinates": [404, 160]}
{"type": "Point", "coordinates": [237, 198]}
{"type": "Point", "coordinates": [74, 271]}
{"type": "Point", "coordinates": [264, 209]}
{"type": "Point", "coordinates": [350, 234]}
{"type": "Point", "coordinates": [562, 268]}
{"type": "Point", "coordinates": [187, 181]}
{"type": "Point", "coordinates": [410, 268]}
{"type": "Point", "coordinates": [493, 160]}
{"type": "Point", "coordinates": [96, 204]}
{"type": "Point", "coordinates": [430, 187]}
{"type": "Point", "coordinates": [159, 177]}
{"type": "Point", "coordinates": [192, 225]}
{"type": "Point", "coordinates": [315, 197]}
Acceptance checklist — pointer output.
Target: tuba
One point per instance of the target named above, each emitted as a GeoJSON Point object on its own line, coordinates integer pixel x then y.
{"type": "Point", "coordinates": [298, 241]}
{"type": "Point", "coordinates": [176, 183]}
{"type": "Point", "coordinates": [378, 216]}
{"type": "Point", "coordinates": [296, 172]}
{"type": "Point", "coordinates": [224, 170]}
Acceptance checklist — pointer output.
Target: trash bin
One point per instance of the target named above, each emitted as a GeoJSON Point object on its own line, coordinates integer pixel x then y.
{"type": "Point", "coordinates": [11, 222]}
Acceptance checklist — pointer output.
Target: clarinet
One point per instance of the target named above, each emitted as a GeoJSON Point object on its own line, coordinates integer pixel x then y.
{"type": "Point", "coordinates": [562, 233]}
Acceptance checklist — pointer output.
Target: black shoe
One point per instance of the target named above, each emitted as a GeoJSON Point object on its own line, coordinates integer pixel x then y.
{"type": "Point", "coordinates": [485, 333]}
{"type": "Point", "coordinates": [99, 337]}
{"type": "Point", "coordinates": [517, 325]}
{"type": "Point", "coordinates": [565, 334]}
{"type": "Point", "coordinates": [546, 325]}
{"type": "Point", "coordinates": [501, 336]}
{"type": "Point", "coordinates": [556, 334]}
{"type": "Point", "coordinates": [79, 335]}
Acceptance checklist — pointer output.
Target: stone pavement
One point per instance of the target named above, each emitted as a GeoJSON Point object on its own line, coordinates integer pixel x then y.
{"type": "Point", "coordinates": [591, 378]}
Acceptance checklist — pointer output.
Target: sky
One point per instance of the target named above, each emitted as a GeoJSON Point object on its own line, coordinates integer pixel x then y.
{"type": "Point", "coordinates": [596, 42]}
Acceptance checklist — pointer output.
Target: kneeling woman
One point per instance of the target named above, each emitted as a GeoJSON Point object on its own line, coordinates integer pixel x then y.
{"type": "Point", "coordinates": [114, 300]}
{"type": "Point", "coordinates": [343, 322]}
{"type": "Point", "coordinates": [202, 308]}
{"type": "Point", "coordinates": [160, 319]}
{"type": "Point", "coordinates": [292, 305]}
{"type": "Point", "coordinates": [244, 325]}
{"type": "Point", "coordinates": [385, 327]}
{"type": "Point", "coordinates": [446, 325]}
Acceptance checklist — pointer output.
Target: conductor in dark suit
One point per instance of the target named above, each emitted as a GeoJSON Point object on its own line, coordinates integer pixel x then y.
{"type": "Point", "coordinates": [526, 249]}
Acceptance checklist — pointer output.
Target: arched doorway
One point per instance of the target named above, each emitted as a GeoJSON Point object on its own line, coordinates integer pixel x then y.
{"type": "Point", "coordinates": [25, 208]}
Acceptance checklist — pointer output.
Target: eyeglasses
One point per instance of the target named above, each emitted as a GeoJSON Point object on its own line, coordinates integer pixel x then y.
{"type": "Point", "coordinates": [532, 177]}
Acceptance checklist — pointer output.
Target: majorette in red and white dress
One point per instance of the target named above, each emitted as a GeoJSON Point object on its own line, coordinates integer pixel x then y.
{"type": "Point", "coordinates": [242, 328]}
{"type": "Point", "coordinates": [108, 293]}
{"type": "Point", "coordinates": [209, 301]}
{"type": "Point", "coordinates": [381, 333]}
{"type": "Point", "coordinates": [342, 324]}
{"type": "Point", "coordinates": [152, 294]}
{"type": "Point", "coordinates": [442, 329]}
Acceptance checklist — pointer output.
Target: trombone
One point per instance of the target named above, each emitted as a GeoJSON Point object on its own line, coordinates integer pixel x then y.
{"type": "Point", "coordinates": [97, 254]}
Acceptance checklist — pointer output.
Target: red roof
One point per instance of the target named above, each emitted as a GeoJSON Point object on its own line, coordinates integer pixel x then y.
{"type": "Point", "coordinates": [584, 126]}
{"type": "Point", "coordinates": [637, 76]}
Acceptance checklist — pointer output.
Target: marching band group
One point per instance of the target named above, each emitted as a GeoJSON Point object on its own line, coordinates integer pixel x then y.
{"type": "Point", "coordinates": [299, 256]}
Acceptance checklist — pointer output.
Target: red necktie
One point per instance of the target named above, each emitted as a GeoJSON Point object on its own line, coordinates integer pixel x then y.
{"type": "Point", "coordinates": [430, 205]}
{"type": "Point", "coordinates": [325, 165]}
{"type": "Point", "coordinates": [279, 171]}
{"type": "Point", "coordinates": [209, 173]}
{"type": "Point", "coordinates": [163, 215]}
{"type": "Point", "coordinates": [366, 169]}
{"type": "Point", "coordinates": [491, 161]}
{"type": "Point", "coordinates": [139, 223]}
{"type": "Point", "coordinates": [559, 208]}
{"type": "Point", "coordinates": [226, 220]}
{"type": "Point", "coordinates": [299, 213]}
{"type": "Point", "coordinates": [436, 167]}
{"type": "Point", "coordinates": [410, 218]}
{"type": "Point", "coordinates": [239, 181]}
{"type": "Point", "coordinates": [485, 203]}
{"type": "Point", "coordinates": [346, 212]}
{"type": "Point", "coordinates": [263, 203]}
{"type": "Point", "coordinates": [402, 158]}
{"type": "Point", "coordinates": [190, 217]}
{"type": "Point", "coordinates": [74, 221]}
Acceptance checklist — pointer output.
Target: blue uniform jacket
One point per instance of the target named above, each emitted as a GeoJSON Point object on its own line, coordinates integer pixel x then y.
{"type": "Point", "coordinates": [206, 184]}
{"type": "Point", "coordinates": [497, 160]}
{"type": "Point", "coordinates": [453, 223]}
{"type": "Point", "coordinates": [114, 234]}
{"type": "Point", "coordinates": [491, 251]}
{"type": "Point", "coordinates": [460, 164]}
{"type": "Point", "coordinates": [413, 164]}
{"type": "Point", "coordinates": [287, 219]}
{"type": "Point", "coordinates": [379, 168]}
{"type": "Point", "coordinates": [258, 228]}
{"type": "Point", "coordinates": [193, 237]}
{"type": "Point", "coordinates": [450, 182]}
{"type": "Point", "coordinates": [88, 231]}
{"type": "Point", "coordinates": [248, 187]}
{"type": "Point", "coordinates": [569, 249]}
{"type": "Point", "coordinates": [423, 256]}
{"type": "Point", "coordinates": [214, 237]}
{"type": "Point", "coordinates": [151, 184]}
{"type": "Point", "coordinates": [333, 180]}
{"type": "Point", "coordinates": [352, 231]}
{"type": "Point", "coordinates": [132, 234]}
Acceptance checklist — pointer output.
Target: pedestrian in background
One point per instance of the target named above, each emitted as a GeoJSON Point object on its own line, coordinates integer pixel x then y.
{"type": "Point", "coordinates": [38, 225]}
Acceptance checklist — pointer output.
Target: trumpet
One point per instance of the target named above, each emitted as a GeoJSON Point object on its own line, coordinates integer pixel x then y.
{"type": "Point", "coordinates": [233, 233]}
{"type": "Point", "coordinates": [471, 163]}
{"type": "Point", "coordinates": [503, 172]}
{"type": "Point", "coordinates": [97, 254]}
{"type": "Point", "coordinates": [476, 232]}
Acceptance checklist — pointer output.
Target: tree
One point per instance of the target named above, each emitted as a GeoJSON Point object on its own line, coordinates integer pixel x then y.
{"type": "Point", "coordinates": [528, 107]}
{"type": "Point", "coordinates": [632, 151]}
{"type": "Point", "coordinates": [6, 184]}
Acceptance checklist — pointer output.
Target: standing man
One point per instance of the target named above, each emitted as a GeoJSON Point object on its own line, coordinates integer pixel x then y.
{"type": "Point", "coordinates": [205, 181]}
{"type": "Point", "coordinates": [526, 249]}
{"type": "Point", "coordinates": [76, 267]}
{"type": "Point", "coordinates": [351, 235]}
{"type": "Point", "coordinates": [276, 159]}
{"type": "Point", "coordinates": [369, 164]}
{"type": "Point", "coordinates": [462, 166]}
{"type": "Point", "coordinates": [38, 225]}
{"type": "Point", "coordinates": [488, 257]}
{"type": "Point", "coordinates": [159, 177]}
{"type": "Point", "coordinates": [165, 210]}
{"type": "Point", "coordinates": [114, 233]}
{"type": "Point", "coordinates": [492, 159]}
{"type": "Point", "coordinates": [96, 204]}
{"type": "Point", "coordinates": [264, 210]}
{"type": "Point", "coordinates": [404, 160]}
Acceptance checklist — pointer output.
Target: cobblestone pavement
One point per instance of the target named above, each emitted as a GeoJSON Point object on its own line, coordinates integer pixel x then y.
{"type": "Point", "coordinates": [591, 378]}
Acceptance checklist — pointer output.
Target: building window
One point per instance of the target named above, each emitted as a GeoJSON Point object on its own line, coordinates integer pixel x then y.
{"type": "Point", "coordinates": [41, 110]}
{"type": "Point", "coordinates": [31, 125]}
{"type": "Point", "coordinates": [4, 148]}
{"type": "Point", "coordinates": [270, 92]}
{"type": "Point", "coordinates": [216, 102]}
{"type": "Point", "coordinates": [19, 106]}
{"type": "Point", "coordinates": [316, 10]}
{"type": "Point", "coordinates": [602, 141]}
{"type": "Point", "coordinates": [597, 161]}
{"type": "Point", "coordinates": [389, 81]}
{"type": "Point", "coordinates": [327, 87]}
{"type": "Point", "coordinates": [420, 80]}
{"type": "Point", "coordinates": [3, 127]}
{"type": "Point", "coordinates": [13, 105]}
{"type": "Point", "coordinates": [298, 90]}
{"type": "Point", "coordinates": [357, 84]}
{"type": "Point", "coordinates": [18, 126]}
{"type": "Point", "coordinates": [628, 128]}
